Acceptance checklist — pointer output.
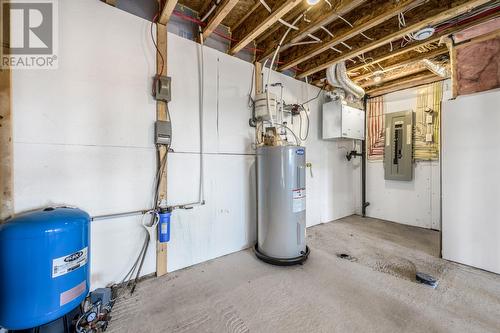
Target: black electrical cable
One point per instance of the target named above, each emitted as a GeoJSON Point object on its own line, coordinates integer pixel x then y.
{"type": "Point", "coordinates": [161, 167]}
{"type": "Point", "coordinates": [153, 22]}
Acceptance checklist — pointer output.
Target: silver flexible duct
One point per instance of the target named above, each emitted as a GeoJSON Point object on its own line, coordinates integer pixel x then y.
{"type": "Point", "coordinates": [331, 76]}
{"type": "Point", "coordinates": [436, 68]}
{"type": "Point", "coordinates": [346, 83]}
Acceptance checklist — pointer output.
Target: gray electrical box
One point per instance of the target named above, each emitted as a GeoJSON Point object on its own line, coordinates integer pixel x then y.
{"type": "Point", "coordinates": [163, 89]}
{"type": "Point", "coordinates": [398, 152]}
{"type": "Point", "coordinates": [163, 132]}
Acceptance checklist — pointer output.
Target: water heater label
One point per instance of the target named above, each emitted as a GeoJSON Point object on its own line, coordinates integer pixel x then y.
{"type": "Point", "coordinates": [298, 200]}
{"type": "Point", "coordinates": [69, 263]}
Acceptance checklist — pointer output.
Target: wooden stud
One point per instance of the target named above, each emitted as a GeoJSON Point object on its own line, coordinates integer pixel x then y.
{"type": "Point", "coordinates": [258, 78]}
{"type": "Point", "coordinates": [445, 15]}
{"type": "Point", "coordinates": [111, 2]}
{"type": "Point", "coordinates": [262, 26]}
{"type": "Point", "coordinates": [6, 144]}
{"type": "Point", "coordinates": [161, 114]}
{"type": "Point", "coordinates": [342, 7]}
{"type": "Point", "coordinates": [367, 22]}
{"type": "Point", "coordinates": [221, 12]}
{"type": "Point", "coordinates": [6, 149]}
{"type": "Point", "coordinates": [167, 11]}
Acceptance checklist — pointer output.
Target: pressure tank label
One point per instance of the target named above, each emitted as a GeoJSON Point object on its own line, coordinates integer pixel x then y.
{"type": "Point", "coordinates": [69, 263]}
{"type": "Point", "coordinates": [298, 200]}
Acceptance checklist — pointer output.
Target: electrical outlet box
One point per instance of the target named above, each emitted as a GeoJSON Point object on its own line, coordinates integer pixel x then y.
{"type": "Point", "coordinates": [341, 121]}
{"type": "Point", "coordinates": [429, 119]}
{"type": "Point", "coordinates": [163, 89]}
{"type": "Point", "coordinates": [163, 132]}
{"type": "Point", "coordinates": [398, 152]}
{"type": "Point", "coordinates": [428, 137]}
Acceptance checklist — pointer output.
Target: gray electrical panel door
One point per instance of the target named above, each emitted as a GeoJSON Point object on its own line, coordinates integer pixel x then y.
{"type": "Point", "coordinates": [398, 152]}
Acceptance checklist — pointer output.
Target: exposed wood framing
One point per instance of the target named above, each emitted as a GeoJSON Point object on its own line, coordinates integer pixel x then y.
{"type": "Point", "coordinates": [285, 7]}
{"type": "Point", "coordinates": [405, 83]}
{"type": "Point", "coordinates": [442, 16]}
{"type": "Point", "coordinates": [6, 145]}
{"type": "Point", "coordinates": [394, 54]}
{"type": "Point", "coordinates": [386, 79]}
{"type": "Point", "coordinates": [221, 12]}
{"type": "Point", "coordinates": [258, 78]}
{"type": "Point", "coordinates": [6, 186]}
{"type": "Point", "coordinates": [367, 22]}
{"type": "Point", "coordinates": [250, 12]}
{"type": "Point", "coordinates": [161, 114]}
{"type": "Point", "coordinates": [419, 57]}
{"type": "Point", "coordinates": [111, 2]}
{"type": "Point", "coordinates": [318, 18]}
{"type": "Point", "coordinates": [167, 11]}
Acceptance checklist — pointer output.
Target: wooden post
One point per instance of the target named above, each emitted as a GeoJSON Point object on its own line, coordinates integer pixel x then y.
{"type": "Point", "coordinates": [6, 146]}
{"type": "Point", "coordinates": [258, 78]}
{"type": "Point", "coordinates": [6, 194]}
{"type": "Point", "coordinates": [162, 114]}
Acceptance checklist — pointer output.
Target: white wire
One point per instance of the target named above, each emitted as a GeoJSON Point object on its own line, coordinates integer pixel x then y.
{"type": "Point", "coordinates": [314, 37]}
{"type": "Point", "coordinates": [336, 50]}
{"type": "Point", "coordinates": [265, 5]}
{"type": "Point", "coordinates": [327, 31]}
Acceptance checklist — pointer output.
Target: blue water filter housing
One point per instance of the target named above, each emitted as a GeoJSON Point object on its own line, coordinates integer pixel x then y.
{"type": "Point", "coordinates": [44, 266]}
{"type": "Point", "coordinates": [164, 226]}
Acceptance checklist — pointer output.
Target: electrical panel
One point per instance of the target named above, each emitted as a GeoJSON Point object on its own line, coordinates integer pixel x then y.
{"type": "Point", "coordinates": [398, 152]}
{"type": "Point", "coordinates": [341, 121]}
{"type": "Point", "coordinates": [163, 132]}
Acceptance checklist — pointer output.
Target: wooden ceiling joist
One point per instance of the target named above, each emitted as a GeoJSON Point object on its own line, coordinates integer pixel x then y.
{"type": "Point", "coordinates": [367, 22]}
{"type": "Point", "coordinates": [167, 11]}
{"type": "Point", "coordinates": [111, 2]}
{"type": "Point", "coordinates": [318, 19]}
{"type": "Point", "coordinates": [273, 17]}
{"type": "Point", "coordinates": [442, 16]}
{"type": "Point", "coordinates": [221, 12]}
{"type": "Point", "coordinates": [425, 55]}
{"type": "Point", "coordinates": [405, 83]}
{"type": "Point", "coordinates": [387, 79]}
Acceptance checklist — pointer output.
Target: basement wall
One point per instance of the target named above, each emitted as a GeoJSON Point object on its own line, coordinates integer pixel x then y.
{"type": "Point", "coordinates": [415, 202]}
{"type": "Point", "coordinates": [83, 136]}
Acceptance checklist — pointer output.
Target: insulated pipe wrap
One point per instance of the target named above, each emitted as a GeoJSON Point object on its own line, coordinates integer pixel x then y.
{"type": "Point", "coordinates": [435, 68]}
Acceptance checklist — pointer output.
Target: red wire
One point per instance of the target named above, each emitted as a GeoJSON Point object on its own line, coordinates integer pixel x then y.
{"type": "Point", "coordinates": [201, 23]}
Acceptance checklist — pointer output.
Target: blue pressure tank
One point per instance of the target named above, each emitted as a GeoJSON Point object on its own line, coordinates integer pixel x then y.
{"type": "Point", "coordinates": [44, 266]}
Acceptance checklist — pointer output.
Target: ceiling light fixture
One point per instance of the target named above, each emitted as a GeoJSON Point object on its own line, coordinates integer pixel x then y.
{"type": "Point", "coordinates": [423, 33]}
{"type": "Point", "coordinates": [312, 2]}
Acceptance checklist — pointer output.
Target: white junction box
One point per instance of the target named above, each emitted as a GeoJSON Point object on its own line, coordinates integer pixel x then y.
{"type": "Point", "coordinates": [341, 121]}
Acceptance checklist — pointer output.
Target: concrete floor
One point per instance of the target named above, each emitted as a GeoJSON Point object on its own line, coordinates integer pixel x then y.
{"type": "Point", "coordinates": [374, 291]}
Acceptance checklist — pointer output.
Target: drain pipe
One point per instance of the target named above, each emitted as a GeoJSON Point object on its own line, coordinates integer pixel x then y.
{"type": "Point", "coordinates": [364, 203]}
